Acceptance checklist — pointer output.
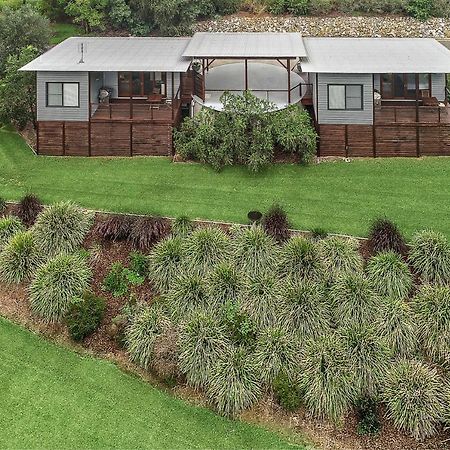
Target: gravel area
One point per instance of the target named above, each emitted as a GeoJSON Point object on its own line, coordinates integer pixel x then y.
{"type": "Point", "coordinates": [364, 26]}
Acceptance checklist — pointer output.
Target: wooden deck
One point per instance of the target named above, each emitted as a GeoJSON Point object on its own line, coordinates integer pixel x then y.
{"type": "Point", "coordinates": [408, 115]}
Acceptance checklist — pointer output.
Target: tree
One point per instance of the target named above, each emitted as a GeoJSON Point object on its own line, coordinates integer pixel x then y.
{"type": "Point", "coordinates": [20, 28]}
{"type": "Point", "coordinates": [89, 13]}
{"type": "Point", "coordinates": [18, 90]}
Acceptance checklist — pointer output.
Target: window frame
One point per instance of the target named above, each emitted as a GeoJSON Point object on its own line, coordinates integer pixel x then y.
{"type": "Point", "coordinates": [62, 83]}
{"type": "Point", "coordinates": [345, 96]}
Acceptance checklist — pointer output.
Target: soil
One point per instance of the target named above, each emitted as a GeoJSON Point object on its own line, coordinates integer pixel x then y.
{"type": "Point", "coordinates": [14, 306]}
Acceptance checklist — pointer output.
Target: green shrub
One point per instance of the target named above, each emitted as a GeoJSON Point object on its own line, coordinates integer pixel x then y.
{"type": "Point", "coordinates": [430, 256]}
{"type": "Point", "coordinates": [321, 7]}
{"type": "Point", "coordinates": [298, 7]}
{"type": "Point", "coordinates": [165, 261]}
{"type": "Point", "coordinates": [367, 415]}
{"type": "Point", "coordinates": [431, 306]}
{"type": "Point", "coordinates": [61, 228]}
{"type": "Point", "coordinates": [224, 283]}
{"type": "Point", "coordinates": [287, 392]}
{"type": "Point", "coordinates": [84, 315]}
{"type": "Point", "coordinates": [239, 326]}
{"type": "Point", "coordinates": [28, 209]}
{"type": "Point", "coordinates": [414, 398]}
{"type": "Point", "coordinates": [326, 378]}
{"type": "Point", "coordinates": [304, 308]}
{"type": "Point", "coordinates": [55, 285]}
{"type": "Point", "coordinates": [233, 385]}
{"type": "Point", "coordinates": [385, 236]}
{"type": "Point", "coordinates": [277, 351]}
{"type": "Point", "coordinates": [20, 258]}
{"type": "Point", "coordinates": [420, 9]}
{"type": "Point", "coordinates": [116, 281]}
{"type": "Point", "coordinates": [139, 263]}
{"type": "Point", "coordinates": [9, 226]}
{"type": "Point", "coordinates": [276, 223]}
{"type": "Point", "coordinates": [182, 226]}
{"type": "Point", "coordinates": [340, 256]}
{"type": "Point", "coordinates": [202, 341]}
{"type": "Point", "coordinates": [389, 275]}
{"type": "Point", "coordinates": [276, 6]}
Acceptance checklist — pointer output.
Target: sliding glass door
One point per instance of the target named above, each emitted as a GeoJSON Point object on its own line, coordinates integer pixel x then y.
{"type": "Point", "coordinates": [142, 84]}
{"type": "Point", "coordinates": [403, 85]}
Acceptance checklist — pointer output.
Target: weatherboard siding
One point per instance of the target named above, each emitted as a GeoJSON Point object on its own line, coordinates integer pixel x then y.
{"type": "Point", "coordinates": [45, 113]}
{"type": "Point", "coordinates": [345, 117]}
{"type": "Point", "coordinates": [438, 86]}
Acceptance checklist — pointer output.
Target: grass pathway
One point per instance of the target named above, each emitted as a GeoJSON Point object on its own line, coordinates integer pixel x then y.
{"type": "Point", "coordinates": [51, 397]}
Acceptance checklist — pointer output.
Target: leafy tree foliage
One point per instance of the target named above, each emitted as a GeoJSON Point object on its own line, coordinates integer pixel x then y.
{"type": "Point", "coordinates": [89, 13]}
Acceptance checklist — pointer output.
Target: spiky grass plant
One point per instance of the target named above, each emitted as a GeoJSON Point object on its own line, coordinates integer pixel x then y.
{"type": "Point", "coordinates": [353, 300]}
{"type": "Point", "coordinates": [429, 256]}
{"type": "Point", "coordinates": [276, 224]}
{"type": "Point", "coordinates": [326, 378]}
{"type": "Point", "coordinates": [304, 308]}
{"type": "Point", "coordinates": [205, 247]}
{"type": "Point", "coordinates": [56, 283]}
{"type": "Point", "coordinates": [61, 228]}
{"type": "Point", "coordinates": [142, 331]}
{"type": "Point", "coordinates": [389, 275]}
{"type": "Point", "coordinates": [397, 327]}
{"type": "Point", "coordinates": [202, 341]}
{"type": "Point", "coordinates": [28, 209]}
{"type": "Point", "coordinates": [340, 256]}
{"type": "Point", "coordinates": [115, 227]}
{"type": "Point", "coordinates": [261, 297]}
{"type": "Point", "coordinates": [9, 226]}
{"type": "Point", "coordinates": [414, 397]}
{"type": "Point", "coordinates": [224, 283]}
{"type": "Point", "coordinates": [276, 351]}
{"type": "Point", "coordinates": [299, 258]}
{"type": "Point", "coordinates": [20, 258]}
{"type": "Point", "coordinates": [182, 226]}
{"type": "Point", "coordinates": [431, 306]}
{"type": "Point", "coordinates": [234, 384]}
{"type": "Point", "coordinates": [146, 231]}
{"type": "Point", "coordinates": [368, 355]}
{"type": "Point", "coordinates": [385, 236]}
{"type": "Point", "coordinates": [165, 261]}
{"type": "Point", "coordinates": [254, 251]}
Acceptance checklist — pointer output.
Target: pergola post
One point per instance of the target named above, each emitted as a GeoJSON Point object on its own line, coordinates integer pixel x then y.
{"type": "Point", "coordinates": [131, 94]}
{"type": "Point", "coordinates": [288, 67]}
{"type": "Point", "coordinates": [417, 116]}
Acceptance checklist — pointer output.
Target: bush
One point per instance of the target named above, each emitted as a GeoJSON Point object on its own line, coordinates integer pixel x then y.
{"type": "Point", "coordinates": [9, 226]}
{"type": "Point", "coordinates": [239, 326]}
{"type": "Point", "coordinates": [114, 228]}
{"type": "Point", "coordinates": [182, 226]}
{"type": "Point", "coordinates": [224, 283]}
{"type": "Point", "coordinates": [340, 257]}
{"type": "Point", "coordinates": [146, 231]}
{"type": "Point", "coordinates": [414, 398]}
{"type": "Point", "coordinates": [389, 275]}
{"type": "Point", "coordinates": [385, 236]}
{"type": "Point", "coordinates": [326, 378]}
{"type": "Point", "coordinates": [2, 205]}
{"type": "Point", "coordinates": [61, 228]}
{"type": "Point", "coordinates": [277, 351]}
{"type": "Point", "coordinates": [202, 341]}
{"type": "Point", "coordinates": [368, 422]}
{"type": "Point", "coordinates": [276, 223]}
{"type": "Point", "coordinates": [55, 285]}
{"type": "Point", "coordinates": [165, 261]}
{"type": "Point", "coordinates": [420, 9]}
{"type": "Point", "coordinates": [431, 306]}
{"type": "Point", "coordinates": [319, 233]}
{"type": "Point", "coordinates": [139, 264]}
{"type": "Point", "coordinates": [28, 209]}
{"type": "Point", "coordinates": [20, 258]}
{"type": "Point", "coordinates": [119, 278]}
{"type": "Point", "coordinates": [233, 385]}
{"type": "Point", "coordinates": [430, 256]}
{"type": "Point", "coordinates": [287, 393]}
{"type": "Point", "coordinates": [84, 315]}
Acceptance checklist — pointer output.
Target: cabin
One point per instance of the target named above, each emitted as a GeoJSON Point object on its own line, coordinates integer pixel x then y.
{"type": "Point", "coordinates": [123, 96]}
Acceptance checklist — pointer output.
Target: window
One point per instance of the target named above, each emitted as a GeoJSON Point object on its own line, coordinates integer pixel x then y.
{"type": "Point", "coordinates": [63, 94]}
{"type": "Point", "coordinates": [141, 84]}
{"type": "Point", "coordinates": [345, 96]}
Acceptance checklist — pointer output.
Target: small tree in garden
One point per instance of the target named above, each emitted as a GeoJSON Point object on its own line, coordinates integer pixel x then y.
{"type": "Point", "coordinates": [90, 14]}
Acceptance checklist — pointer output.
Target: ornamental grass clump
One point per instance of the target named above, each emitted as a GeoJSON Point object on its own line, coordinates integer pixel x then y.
{"type": "Point", "coordinates": [28, 209]}
{"type": "Point", "coordinates": [165, 261]}
{"type": "Point", "coordinates": [340, 256]}
{"type": "Point", "coordinates": [182, 226]}
{"type": "Point", "coordinates": [20, 258]}
{"type": "Point", "coordinates": [234, 385]}
{"type": "Point", "coordinates": [115, 227]}
{"type": "Point", "coordinates": [276, 224]}
{"type": "Point", "coordinates": [389, 275]}
{"type": "Point", "coordinates": [56, 283]}
{"type": "Point", "coordinates": [353, 300]}
{"type": "Point", "coordinates": [146, 231]}
{"type": "Point", "coordinates": [384, 236]}
{"type": "Point", "coordinates": [414, 395]}
{"type": "Point", "coordinates": [202, 341]}
{"type": "Point", "coordinates": [299, 258]}
{"type": "Point", "coordinates": [61, 228]}
{"type": "Point", "coordinates": [304, 308]}
{"type": "Point", "coordinates": [431, 308]}
{"type": "Point", "coordinates": [429, 256]}
{"type": "Point", "coordinates": [224, 283]}
{"type": "Point", "coordinates": [277, 351]}
{"type": "Point", "coordinates": [326, 378]}
{"type": "Point", "coordinates": [9, 226]}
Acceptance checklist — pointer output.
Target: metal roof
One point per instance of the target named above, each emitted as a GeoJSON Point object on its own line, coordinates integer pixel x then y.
{"type": "Point", "coordinates": [375, 55]}
{"type": "Point", "coordinates": [115, 54]}
{"type": "Point", "coordinates": [245, 45]}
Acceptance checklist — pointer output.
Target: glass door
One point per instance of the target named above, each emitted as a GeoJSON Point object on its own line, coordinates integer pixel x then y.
{"type": "Point", "coordinates": [124, 83]}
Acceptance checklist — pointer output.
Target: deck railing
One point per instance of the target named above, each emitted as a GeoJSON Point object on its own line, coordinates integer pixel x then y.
{"type": "Point", "coordinates": [404, 114]}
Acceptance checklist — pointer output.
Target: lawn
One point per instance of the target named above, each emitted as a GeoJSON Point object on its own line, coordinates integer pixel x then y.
{"type": "Point", "coordinates": [51, 397]}
{"type": "Point", "coordinates": [339, 197]}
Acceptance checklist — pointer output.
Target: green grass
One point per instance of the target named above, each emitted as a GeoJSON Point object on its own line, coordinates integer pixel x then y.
{"type": "Point", "coordinates": [51, 397]}
{"type": "Point", "coordinates": [340, 197]}
{"type": "Point", "coordinates": [63, 31]}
